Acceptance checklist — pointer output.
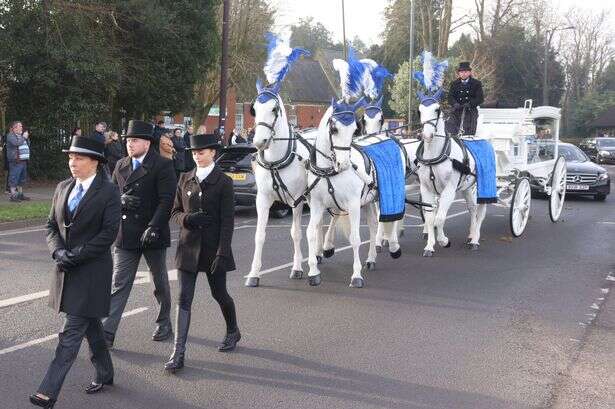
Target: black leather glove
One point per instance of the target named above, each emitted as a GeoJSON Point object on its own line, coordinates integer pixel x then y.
{"type": "Point", "coordinates": [198, 219]}
{"type": "Point", "coordinates": [150, 236]}
{"type": "Point", "coordinates": [65, 259]}
{"type": "Point", "coordinates": [218, 265]}
{"type": "Point", "coordinates": [130, 202]}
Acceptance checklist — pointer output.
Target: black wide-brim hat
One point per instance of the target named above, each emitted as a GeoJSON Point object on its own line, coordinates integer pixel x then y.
{"type": "Point", "coordinates": [85, 145]}
{"type": "Point", "coordinates": [204, 141]}
{"type": "Point", "coordinates": [140, 129]}
{"type": "Point", "coordinates": [464, 66]}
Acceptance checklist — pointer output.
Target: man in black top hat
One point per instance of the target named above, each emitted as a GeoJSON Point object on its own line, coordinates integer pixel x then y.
{"type": "Point", "coordinates": [204, 210]}
{"type": "Point", "coordinates": [82, 225]}
{"type": "Point", "coordinates": [147, 184]}
{"type": "Point", "coordinates": [464, 96]}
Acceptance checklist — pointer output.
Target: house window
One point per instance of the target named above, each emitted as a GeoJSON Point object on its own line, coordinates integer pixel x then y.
{"type": "Point", "coordinates": [239, 116]}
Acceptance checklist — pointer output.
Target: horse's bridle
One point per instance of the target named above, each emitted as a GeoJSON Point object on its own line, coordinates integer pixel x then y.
{"type": "Point", "coordinates": [334, 148]}
{"type": "Point", "coordinates": [271, 126]}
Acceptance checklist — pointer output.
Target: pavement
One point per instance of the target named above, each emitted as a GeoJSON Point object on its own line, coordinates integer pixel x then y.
{"type": "Point", "coordinates": [522, 323]}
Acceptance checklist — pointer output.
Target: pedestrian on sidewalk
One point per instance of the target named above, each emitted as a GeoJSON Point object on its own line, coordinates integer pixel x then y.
{"type": "Point", "coordinates": [166, 146]}
{"type": "Point", "coordinates": [18, 154]}
{"type": "Point", "coordinates": [147, 184]}
{"type": "Point", "coordinates": [5, 162]}
{"type": "Point", "coordinates": [83, 222]}
{"type": "Point", "coordinates": [204, 210]}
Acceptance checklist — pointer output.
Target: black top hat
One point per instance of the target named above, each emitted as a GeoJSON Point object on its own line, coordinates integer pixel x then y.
{"type": "Point", "coordinates": [204, 141]}
{"type": "Point", "coordinates": [140, 129]}
{"type": "Point", "coordinates": [85, 145]}
{"type": "Point", "coordinates": [464, 66]}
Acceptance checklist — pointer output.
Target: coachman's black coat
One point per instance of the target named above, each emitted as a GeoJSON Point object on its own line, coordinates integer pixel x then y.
{"type": "Point", "coordinates": [154, 183]}
{"type": "Point", "coordinates": [85, 290]}
{"type": "Point", "coordinates": [198, 248]}
{"type": "Point", "coordinates": [470, 94]}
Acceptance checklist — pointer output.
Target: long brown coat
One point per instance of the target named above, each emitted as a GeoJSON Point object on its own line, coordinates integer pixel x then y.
{"type": "Point", "coordinates": [86, 290]}
{"type": "Point", "coordinates": [197, 249]}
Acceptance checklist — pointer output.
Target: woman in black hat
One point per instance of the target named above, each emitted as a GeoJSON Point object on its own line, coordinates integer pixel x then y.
{"type": "Point", "coordinates": [82, 225]}
{"type": "Point", "coordinates": [204, 209]}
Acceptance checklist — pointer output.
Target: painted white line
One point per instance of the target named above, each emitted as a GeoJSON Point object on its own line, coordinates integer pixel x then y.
{"type": "Point", "coordinates": [606, 222]}
{"type": "Point", "coordinates": [23, 298]}
{"type": "Point", "coordinates": [54, 336]}
{"type": "Point", "coordinates": [12, 232]}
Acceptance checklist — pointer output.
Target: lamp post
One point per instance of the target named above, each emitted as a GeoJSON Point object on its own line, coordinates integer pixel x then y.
{"type": "Point", "coordinates": [344, 31]}
{"type": "Point", "coordinates": [545, 80]}
{"type": "Point", "coordinates": [224, 68]}
{"type": "Point", "coordinates": [411, 59]}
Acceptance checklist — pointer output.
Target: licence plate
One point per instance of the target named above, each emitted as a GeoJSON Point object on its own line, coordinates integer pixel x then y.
{"type": "Point", "coordinates": [577, 187]}
{"type": "Point", "coordinates": [237, 176]}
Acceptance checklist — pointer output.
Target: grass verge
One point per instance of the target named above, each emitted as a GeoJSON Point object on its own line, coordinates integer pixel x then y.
{"type": "Point", "coordinates": [10, 212]}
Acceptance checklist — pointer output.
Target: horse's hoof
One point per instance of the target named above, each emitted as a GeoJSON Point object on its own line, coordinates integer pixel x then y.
{"type": "Point", "coordinates": [314, 280]}
{"type": "Point", "coordinates": [328, 253]}
{"type": "Point", "coordinates": [252, 282]}
{"type": "Point", "coordinates": [396, 254]}
{"type": "Point", "coordinates": [447, 245]}
{"type": "Point", "coordinates": [427, 253]}
{"type": "Point", "coordinates": [469, 240]}
{"type": "Point", "coordinates": [318, 259]}
{"type": "Point", "coordinates": [296, 274]}
{"type": "Point", "coordinates": [378, 249]}
{"type": "Point", "coordinates": [425, 236]}
{"type": "Point", "coordinates": [370, 265]}
{"type": "Point", "coordinates": [474, 246]}
{"type": "Point", "coordinates": [356, 282]}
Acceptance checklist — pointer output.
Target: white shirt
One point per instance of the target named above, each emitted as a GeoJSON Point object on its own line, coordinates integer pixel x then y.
{"type": "Point", "coordinates": [202, 173]}
{"type": "Point", "coordinates": [86, 185]}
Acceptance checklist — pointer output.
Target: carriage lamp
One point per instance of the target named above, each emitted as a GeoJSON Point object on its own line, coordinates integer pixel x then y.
{"type": "Point", "coordinates": [603, 176]}
{"type": "Point", "coordinates": [604, 153]}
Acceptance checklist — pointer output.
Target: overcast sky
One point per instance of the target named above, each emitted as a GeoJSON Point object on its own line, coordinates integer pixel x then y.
{"type": "Point", "coordinates": [364, 18]}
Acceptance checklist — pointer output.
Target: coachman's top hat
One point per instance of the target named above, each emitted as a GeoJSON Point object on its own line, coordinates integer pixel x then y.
{"type": "Point", "coordinates": [85, 145]}
{"type": "Point", "coordinates": [204, 141]}
{"type": "Point", "coordinates": [464, 66]}
{"type": "Point", "coordinates": [140, 129]}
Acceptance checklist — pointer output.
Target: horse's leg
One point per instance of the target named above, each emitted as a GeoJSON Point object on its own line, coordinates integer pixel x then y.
{"type": "Point", "coordinates": [354, 216]}
{"type": "Point", "coordinates": [429, 197]}
{"type": "Point", "coordinates": [470, 197]}
{"type": "Point", "coordinates": [314, 233]}
{"type": "Point", "coordinates": [263, 204]}
{"type": "Point", "coordinates": [328, 247]}
{"type": "Point", "coordinates": [480, 216]}
{"type": "Point", "coordinates": [379, 235]}
{"type": "Point", "coordinates": [390, 233]}
{"type": "Point", "coordinates": [295, 233]}
{"type": "Point", "coordinates": [374, 227]}
{"type": "Point", "coordinates": [446, 200]}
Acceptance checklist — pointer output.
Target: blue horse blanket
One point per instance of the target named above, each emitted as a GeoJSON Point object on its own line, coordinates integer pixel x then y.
{"type": "Point", "coordinates": [484, 156]}
{"type": "Point", "coordinates": [390, 172]}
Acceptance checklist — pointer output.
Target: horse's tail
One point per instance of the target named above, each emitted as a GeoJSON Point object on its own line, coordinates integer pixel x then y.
{"type": "Point", "coordinates": [343, 222]}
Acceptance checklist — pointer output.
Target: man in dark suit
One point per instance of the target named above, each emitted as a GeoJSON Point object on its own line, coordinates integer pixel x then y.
{"type": "Point", "coordinates": [82, 225]}
{"type": "Point", "coordinates": [204, 210]}
{"type": "Point", "coordinates": [147, 184]}
{"type": "Point", "coordinates": [465, 94]}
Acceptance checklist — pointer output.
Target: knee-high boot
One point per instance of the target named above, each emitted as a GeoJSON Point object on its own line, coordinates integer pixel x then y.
{"type": "Point", "coordinates": [182, 324]}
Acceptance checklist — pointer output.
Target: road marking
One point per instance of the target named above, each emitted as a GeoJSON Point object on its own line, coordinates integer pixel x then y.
{"type": "Point", "coordinates": [12, 232]}
{"type": "Point", "coordinates": [23, 298]}
{"type": "Point", "coordinates": [54, 336]}
{"type": "Point", "coordinates": [606, 222]}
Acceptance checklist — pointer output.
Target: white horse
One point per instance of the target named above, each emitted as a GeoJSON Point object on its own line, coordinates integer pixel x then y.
{"type": "Point", "coordinates": [339, 180]}
{"type": "Point", "coordinates": [440, 180]}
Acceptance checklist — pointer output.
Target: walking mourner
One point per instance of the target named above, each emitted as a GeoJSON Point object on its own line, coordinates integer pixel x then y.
{"type": "Point", "coordinates": [204, 210]}
{"type": "Point", "coordinates": [114, 150]}
{"type": "Point", "coordinates": [465, 94]}
{"type": "Point", "coordinates": [147, 184]}
{"type": "Point", "coordinates": [18, 155]}
{"type": "Point", "coordinates": [82, 224]}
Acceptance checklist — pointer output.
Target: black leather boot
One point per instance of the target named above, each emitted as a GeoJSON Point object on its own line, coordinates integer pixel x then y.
{"type": "Point", "coordinates": [230, 341]}
{"type": "Point", "coordinates": [182, 324]}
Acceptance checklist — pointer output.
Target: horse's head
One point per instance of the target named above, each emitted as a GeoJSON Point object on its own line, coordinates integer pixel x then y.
{"type": "Point", "coordinates": [429, 111]}
{"type": "Point", "coordinates": [341, 128]}
{"type": "Point", "coordinates": [374, 118]}
{"type": "Point", "coordinates": [267, 111]}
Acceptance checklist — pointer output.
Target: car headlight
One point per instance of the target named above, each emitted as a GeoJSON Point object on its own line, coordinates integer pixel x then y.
{"type": "Point", "coordinates": [604, 153]}
{"type": "Point", "coordinates": [603, 176]}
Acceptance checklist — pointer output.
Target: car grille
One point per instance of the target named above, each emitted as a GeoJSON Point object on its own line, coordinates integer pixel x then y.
{"type": "Point", "coordinates": [584, 178]}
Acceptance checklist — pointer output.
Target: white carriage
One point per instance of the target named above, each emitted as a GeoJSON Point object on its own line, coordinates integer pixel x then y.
{"type": "Point", "coordinates": [525, 141]}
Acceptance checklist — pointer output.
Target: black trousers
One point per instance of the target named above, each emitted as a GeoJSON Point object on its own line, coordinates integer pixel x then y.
{"type": "Point", "coordinates": [217, 285]}
{"type": "Point", "coordinates": [469, 122]}
{"type": "Point", "coordinates": [71, 335]}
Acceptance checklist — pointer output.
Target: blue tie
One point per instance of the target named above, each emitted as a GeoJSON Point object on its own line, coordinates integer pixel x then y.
{"type": "Point", "coordinates": [135, 164]}
{"type": "Point", "coordinates": [74, 202]}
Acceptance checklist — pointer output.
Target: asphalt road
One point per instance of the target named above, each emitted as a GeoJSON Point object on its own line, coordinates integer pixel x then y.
{"type": "Point", "coordinates": [491, 329]}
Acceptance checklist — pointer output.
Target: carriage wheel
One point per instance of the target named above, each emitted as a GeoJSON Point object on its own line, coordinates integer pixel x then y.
{"type": "Point", "coordinates": [520, 206]}
{"type": "Point", "coordinates": [558, 189]}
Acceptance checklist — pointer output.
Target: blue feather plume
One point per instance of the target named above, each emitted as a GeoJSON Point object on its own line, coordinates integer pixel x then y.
{"type": "Point", "coordinates": [351, 74]}
{"type": "Point", "coordinates": [432, 76]}
{"type": "Point", "coordinates": [280, 58]}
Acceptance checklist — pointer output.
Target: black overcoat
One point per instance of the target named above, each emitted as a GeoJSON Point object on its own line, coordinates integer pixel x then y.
{"type": "Point", "coordinates": [197, 249]}
{"type": "Point", "coordinates": [86, 290]}
{"type": "Point", "coordinates": [154, 183]}
{"type": "Point", "coordinates": [471, 94]}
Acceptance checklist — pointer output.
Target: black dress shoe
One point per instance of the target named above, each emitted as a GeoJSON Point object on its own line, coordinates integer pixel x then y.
{"type": "Point", "coordinates": [97, 387]}
{"type": "Point", "coordinates": [162, 333]}
{"type": "Point", "coordinates": [230, 341]}
{"type": "Point", "coordinates": [43, 403]}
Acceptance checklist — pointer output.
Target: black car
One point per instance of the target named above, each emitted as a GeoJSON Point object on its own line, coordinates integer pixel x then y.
{"type": "Point", "coordinates": [600, 150]}
{"type": "Point", "coordinates": [236, 161]}
{"type": "Point", "coordinates": [583, 176]}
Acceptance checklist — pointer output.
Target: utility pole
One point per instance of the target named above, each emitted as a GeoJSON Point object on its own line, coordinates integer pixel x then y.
{"type": "Point", "coordinates": [344, 31]}
{"type": "Point", "coordinates": [224, 68]}
{"type": "Point", "coordinates": [410, 96]}
{"type": "Point", "coordinates": [545, 65]}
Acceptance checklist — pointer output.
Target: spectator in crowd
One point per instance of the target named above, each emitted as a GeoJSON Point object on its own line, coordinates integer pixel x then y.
{"type": "Point", "coordinates": [159, 129]}
{"type": "Point", "coordinates": [166, 146]}
{"type": "Point", "coordinates": [188, 161]}
{"type": "Point", "coordinates": [236, 137]}
{"type": "Point", "coordinates": [251, 135]}
{"type": "Point", "coordinates": [114, 150]}
{"type": "Point", "coordinates": [76, 132]}
{"type": "Point", "coordinates": [5, 161]}
{"type": "Point", "coordinates": [232, 138]}
{"type": "Point", "coordinates": [179, 160]}
{"type": "Point", "coordinates": [99, 132]}
{"type": "Point", "coordinates": [18, 154]}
